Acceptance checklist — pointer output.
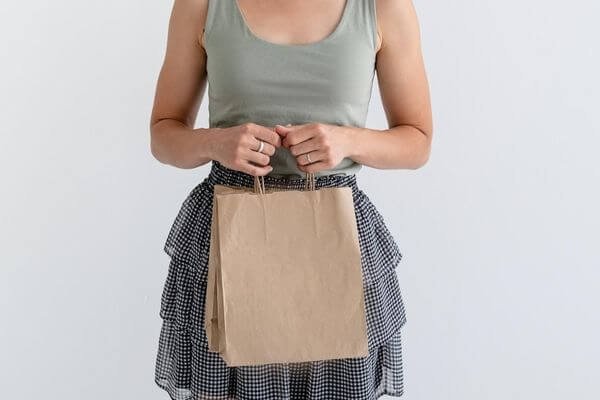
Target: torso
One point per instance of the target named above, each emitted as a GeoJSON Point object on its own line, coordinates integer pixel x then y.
{"type": "Point", "coordinates": [260, 70]}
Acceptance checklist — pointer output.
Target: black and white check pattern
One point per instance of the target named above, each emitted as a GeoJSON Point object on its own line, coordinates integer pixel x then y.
{"type": "Point", "coordinates": [187, 370]}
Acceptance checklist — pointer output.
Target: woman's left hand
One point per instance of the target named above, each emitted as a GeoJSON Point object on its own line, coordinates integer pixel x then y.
{"type": "Point", "coordinates": [316, 146]}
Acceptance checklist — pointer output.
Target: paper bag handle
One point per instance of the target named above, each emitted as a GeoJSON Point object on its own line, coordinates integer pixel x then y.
{"type": "Point", "coordinates": [259, 183]}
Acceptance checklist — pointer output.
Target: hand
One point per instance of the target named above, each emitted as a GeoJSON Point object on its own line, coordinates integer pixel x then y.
{"type": "Point", "coordinates": [237, 147]}
{"type": "Point", "coordinates": [325, 144]}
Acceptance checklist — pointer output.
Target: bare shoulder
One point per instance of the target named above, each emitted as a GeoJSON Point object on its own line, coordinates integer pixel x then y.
{"type": "Point", "coordinates": [397, 23]}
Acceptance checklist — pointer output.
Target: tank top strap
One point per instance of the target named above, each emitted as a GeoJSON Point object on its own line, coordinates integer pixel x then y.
{"type": "Point", "coordinates": [364, 17]}
{"type": "Point", "coordinates": [224, 14]}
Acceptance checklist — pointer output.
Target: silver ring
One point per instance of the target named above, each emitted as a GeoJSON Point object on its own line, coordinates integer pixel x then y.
{"type": "Point", "coordinates": [308, 157]}
{"type": "Point", "coordinates": [261, 146]}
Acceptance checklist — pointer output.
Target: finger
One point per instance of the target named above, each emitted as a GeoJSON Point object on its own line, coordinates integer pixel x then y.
{"type": "Point", "coordinates": [268, 148]}
{"type": "Point", "coordinates": [314, 167]}
{"type": "Point", "coordinates": [267, 135]}
{"type": "Point", "coordinates": [304, 147]}
{"type": "Point", "coordinates": [280, 132]}
{"type": "Point", "coordinates": [255, 170]}
{"type": "Point", "coordinates": [287, 126]}
{"type": "Point", "coordinates": [315, 156]}
{"type": "Point", "coordinates": [256, 157]}
{"type": "Point", "coordinates": [298, 134]}
{"type": "Point", "coordinates": [284, 130]}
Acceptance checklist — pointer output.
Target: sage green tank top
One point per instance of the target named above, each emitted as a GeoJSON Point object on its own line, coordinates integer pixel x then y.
{"type": "Point", "coordinates": [254, 80]}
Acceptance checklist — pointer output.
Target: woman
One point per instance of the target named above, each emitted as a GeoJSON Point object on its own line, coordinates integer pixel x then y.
{"type": "Point", "coordinates": [289, 86]}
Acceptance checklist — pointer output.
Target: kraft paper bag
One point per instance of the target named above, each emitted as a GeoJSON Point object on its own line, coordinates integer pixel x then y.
{"type": "Point", "coordinates": [285, 280]}
{"type": "Point", "coordinates": [211, 318]}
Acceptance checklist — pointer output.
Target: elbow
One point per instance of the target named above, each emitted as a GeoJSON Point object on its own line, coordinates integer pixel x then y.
{"type": "Point", "coordinates": [423, 159]}
{"type": "Point", "coordinates": [155, 148]}
{"type": "Point", "coordinates": [420, 161]}
{"type": "Point", "coordinates": [424, 151]}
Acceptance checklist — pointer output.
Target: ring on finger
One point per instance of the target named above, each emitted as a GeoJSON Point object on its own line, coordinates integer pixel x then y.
{"type": "Point", "coordinates": [261, 146]}
{"type": "Point", "coordinates": [308, 158]}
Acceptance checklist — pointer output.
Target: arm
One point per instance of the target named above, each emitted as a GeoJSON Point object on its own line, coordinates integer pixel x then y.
{"type": "Point", "coordinates": [404, 93]}
{"type": "Point", "coordinates": [179, 91]}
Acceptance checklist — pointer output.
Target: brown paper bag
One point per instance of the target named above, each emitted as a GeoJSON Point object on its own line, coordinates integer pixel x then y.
{"type": "Point", "coordinates": [285, 279]}
{"type": "Point", "coordinates": [212, 306]}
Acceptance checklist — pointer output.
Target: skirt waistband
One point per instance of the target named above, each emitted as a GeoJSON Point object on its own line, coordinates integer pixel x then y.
{"type": "Point", "coordinates": [220, 174]}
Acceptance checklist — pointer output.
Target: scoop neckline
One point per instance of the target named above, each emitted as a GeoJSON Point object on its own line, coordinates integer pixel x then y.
{"type": "Point", "coordinates": [326, 39]}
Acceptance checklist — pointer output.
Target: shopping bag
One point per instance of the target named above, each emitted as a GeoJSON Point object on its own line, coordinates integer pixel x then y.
{"type": "Point", "coordinates": [213, 302]}
{"type": "Point", "coordinates": [284, 280]}
{"type": "Point", "coordinates": [211, 313]}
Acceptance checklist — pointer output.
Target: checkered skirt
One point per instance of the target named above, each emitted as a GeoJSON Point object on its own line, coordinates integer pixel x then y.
{"type": "Point", "coordinates": [187, 370]}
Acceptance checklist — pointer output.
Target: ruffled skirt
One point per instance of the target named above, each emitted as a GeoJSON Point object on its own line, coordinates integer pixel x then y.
{"type": "Point", "coordinates": [187, 370]}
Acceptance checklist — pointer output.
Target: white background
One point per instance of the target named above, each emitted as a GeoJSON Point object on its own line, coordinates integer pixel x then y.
{"type": "Point", "coordinates": [499, 231]}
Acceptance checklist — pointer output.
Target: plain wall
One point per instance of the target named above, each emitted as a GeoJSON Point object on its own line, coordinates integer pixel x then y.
{"type": "Point", "coordinates": [499, 231]}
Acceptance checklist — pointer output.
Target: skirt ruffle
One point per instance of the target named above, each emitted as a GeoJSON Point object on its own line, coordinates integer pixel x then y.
{"type": "Point", "coordinates": [187, 370]}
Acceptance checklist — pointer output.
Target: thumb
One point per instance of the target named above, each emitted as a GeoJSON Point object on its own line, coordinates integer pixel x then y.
{"type": "Point", "coordinates": [283, 130]}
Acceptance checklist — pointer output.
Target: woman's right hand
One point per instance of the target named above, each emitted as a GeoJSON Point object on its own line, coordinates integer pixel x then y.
{"type": "Point", "coordinates": [237, 147]}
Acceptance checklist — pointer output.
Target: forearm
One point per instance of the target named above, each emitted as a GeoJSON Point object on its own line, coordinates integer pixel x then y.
{"type": "Point", "coordinates": [176, 144]}
{"type": "Point", "coordinates": [400, 147]}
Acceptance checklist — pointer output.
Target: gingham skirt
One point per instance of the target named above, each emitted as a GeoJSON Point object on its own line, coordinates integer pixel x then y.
{"type": "Point", "coordinates": [187, 370]}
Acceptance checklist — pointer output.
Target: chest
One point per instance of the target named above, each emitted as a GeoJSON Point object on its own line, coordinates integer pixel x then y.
{"type": "Point", "coordinates": [340, 72]}
{"type": "Point", "coordinates": [285, 22]}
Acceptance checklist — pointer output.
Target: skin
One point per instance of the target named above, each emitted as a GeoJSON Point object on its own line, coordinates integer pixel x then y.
{"type": "Point", "coordinates": [400, 71]}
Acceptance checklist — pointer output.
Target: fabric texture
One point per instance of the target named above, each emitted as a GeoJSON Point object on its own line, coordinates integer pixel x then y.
{"type": "Point", "coordinates": [254, 80]}
{"type": "Point", "coordinates": [187, 370]}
